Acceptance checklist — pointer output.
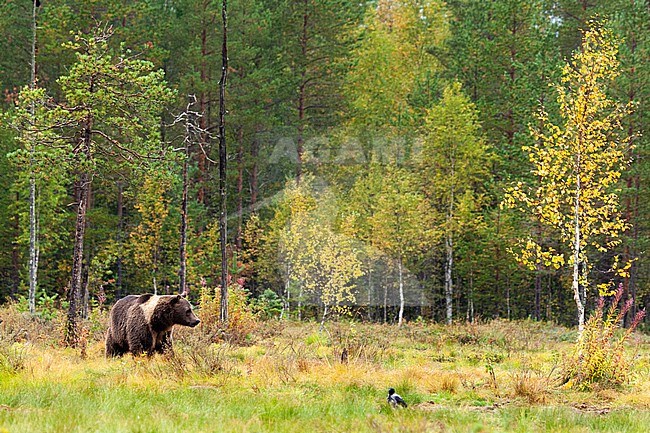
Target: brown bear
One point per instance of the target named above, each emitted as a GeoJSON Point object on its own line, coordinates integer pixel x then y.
{"type": "Point", "coordinates": [143, 323]}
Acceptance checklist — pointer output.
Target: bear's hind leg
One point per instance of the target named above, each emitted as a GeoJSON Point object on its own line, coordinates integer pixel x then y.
{"type": "Point", "coordinates": [112, 348]}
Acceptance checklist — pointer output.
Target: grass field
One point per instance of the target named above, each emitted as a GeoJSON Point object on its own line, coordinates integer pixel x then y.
{"type": "Point", "coordinates": [291, 377]}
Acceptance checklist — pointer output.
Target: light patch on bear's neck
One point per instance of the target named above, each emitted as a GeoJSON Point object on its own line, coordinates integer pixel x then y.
{"type": "Point", "coordinates": [149, 306]}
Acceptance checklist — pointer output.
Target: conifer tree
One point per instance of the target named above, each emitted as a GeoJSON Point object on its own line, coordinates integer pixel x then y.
{"type": "Point", "coordinates": [108, 116]}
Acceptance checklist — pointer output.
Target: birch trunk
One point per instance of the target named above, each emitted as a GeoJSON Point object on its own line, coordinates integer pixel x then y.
{"type": "Point", "coordinates": [578, 294]}
{"type": "Point", "coordinates": [385, 301]}
{"type": "Point", "coordinates": [401, 291]}
{"type": "Point", "coordinates": [33, 242]}
{"type": "Point", "coordinates": [449, 288]}
{"type": "Point", "coordinates": [449, 261]}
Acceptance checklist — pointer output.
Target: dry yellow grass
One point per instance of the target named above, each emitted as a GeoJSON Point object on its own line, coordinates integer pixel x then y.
{"type": "Point", "coordinates": [292, 376]}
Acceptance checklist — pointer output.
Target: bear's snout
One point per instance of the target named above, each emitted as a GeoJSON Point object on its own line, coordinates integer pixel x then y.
{"type": "Point", "coordinates": [196, 322]}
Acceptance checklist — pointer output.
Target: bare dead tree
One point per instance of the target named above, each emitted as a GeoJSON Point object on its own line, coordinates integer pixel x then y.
{"type": "Point", "coordinates": [222, 163]}
{"type": "Point", "coordinates": [194, 132]}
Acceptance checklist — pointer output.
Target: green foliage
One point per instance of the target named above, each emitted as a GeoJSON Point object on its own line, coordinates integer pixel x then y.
{"type": "Point", "coordinates": [358, 85]}
{"type": "Point", "coordinates": [599, 358]}
{"type": "Point", "coordinates": [16, 23]}
{"type": "Point", "coordinates": [455, 159]}
{"type": "Point", "coordinates": [454, 169]}
{"type": "Point", "coordinates": [268, 305]}
{"type": "Point", "coordinates": [583, 159]}
{"type": "Point", "coordinates": [48, 307]}
{"type": "Point", "coordinates": [392, 80]}
{"type": "Point", "coordinates": [392, 62]}
{"type": "Point", "coordinates": [31, 158]}
{"type": "Point", "coordinates": [502, 52]}
{"type": "Point", "coordinates": [115, 94]}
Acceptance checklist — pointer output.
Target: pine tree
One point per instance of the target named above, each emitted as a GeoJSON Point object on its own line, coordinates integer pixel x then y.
{"type": "Point", "coordinates": [108, 116]}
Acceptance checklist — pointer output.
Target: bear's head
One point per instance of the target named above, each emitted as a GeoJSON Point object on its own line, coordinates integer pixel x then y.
{"type": "Point", "coordinates": [182, 313]}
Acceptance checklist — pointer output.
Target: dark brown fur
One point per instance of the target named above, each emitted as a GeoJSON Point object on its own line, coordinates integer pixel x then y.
{"type": "Point", "coordinates": [143, 324]}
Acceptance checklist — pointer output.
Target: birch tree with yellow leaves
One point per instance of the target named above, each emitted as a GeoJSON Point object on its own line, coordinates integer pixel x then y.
{"type": "Point", "coordinates": [578, 163]}
{"type": "Point", "coordinates": [321, 263]}
{"type": "Point", "coordinates": [454, 167]}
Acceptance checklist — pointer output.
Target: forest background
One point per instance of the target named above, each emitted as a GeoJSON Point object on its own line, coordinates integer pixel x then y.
{"type": "Point", "coordinates": [371, 146]}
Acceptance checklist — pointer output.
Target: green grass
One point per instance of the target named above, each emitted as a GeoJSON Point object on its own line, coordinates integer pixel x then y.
{"type": "Point", "coordinates": [497, 377]}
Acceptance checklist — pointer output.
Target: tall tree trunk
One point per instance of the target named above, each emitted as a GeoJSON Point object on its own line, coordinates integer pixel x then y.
{"type": "Point", "coordinates": [370, 292]}
{"type": "Point", "coordinates": [182, 250]}
{"type": "Point", "coordinates": [84, 273]}
{"type": "Point", "coordinates": [508, 305]}
{"type": "Point", "coordinates": [538, 292]}
{"type": "Point", "coordinates": [120, 234]}
{"type": "Point", "coordinates": [497, 258]}
{"type": "Point", "coordinates": [385, 301]}
{"type": "Point", "coordinates": [471, 298]}
{"type": "Point", "coordinates": [538, 277]}
{"type": "Point", "coordinates": [240, 188]}
{"type": "Point", "coordinates": [286, 306]}
{"type": "Point", "coordinates": [33, 241]}
{"type": "Point", "coordinates": [203, 109]}
{"type": "Point", "coordinates": [449, 287]}
{"type": "Point", "coordinates": [635, 239]}
{"type": "Point", "coordinates": [254, 173]}
{"type": "Point", "coordinates": [222, 164]}
{"type": "Point", "coordinates": [300, 295]}
{"type": "Point", "coordinates": [15, 255]}
{"type": "Point", "coordinates": [449, 261]}
{"type": "Point", "coordinates": [182, 272]}
{"type": "Point", "coordinates": [76, 289]}
{"type": "Point", "coordinates": [632, 195]}
{"type": "Point", "coordinates": [578, 291]}
{"type": "Point", "coordinates": [401, 290]}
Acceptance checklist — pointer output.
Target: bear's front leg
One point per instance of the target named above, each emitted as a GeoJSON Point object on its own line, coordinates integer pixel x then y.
{"type": "Point", "coordinates": [164, 343]}
{"type": "Point", "coordinates": [139, 336]}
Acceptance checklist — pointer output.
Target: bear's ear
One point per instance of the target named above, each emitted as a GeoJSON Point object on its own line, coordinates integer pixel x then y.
{"type": "Point", "coordinates": [176, 298]}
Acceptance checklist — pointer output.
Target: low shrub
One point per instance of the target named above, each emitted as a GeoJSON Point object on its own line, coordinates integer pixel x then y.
{"type": "Point", "coordinates": [242, 320]}
{"type": "Point", "coordinates": [20, 326]}
{"type": "Point", "coordinates": [599, 357]}
{"type": "Point", "coordinates": [13, 358]}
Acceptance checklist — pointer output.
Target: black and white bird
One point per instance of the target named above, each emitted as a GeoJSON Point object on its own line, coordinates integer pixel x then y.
{"type": "Point", "coordinates": [395, 400]}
